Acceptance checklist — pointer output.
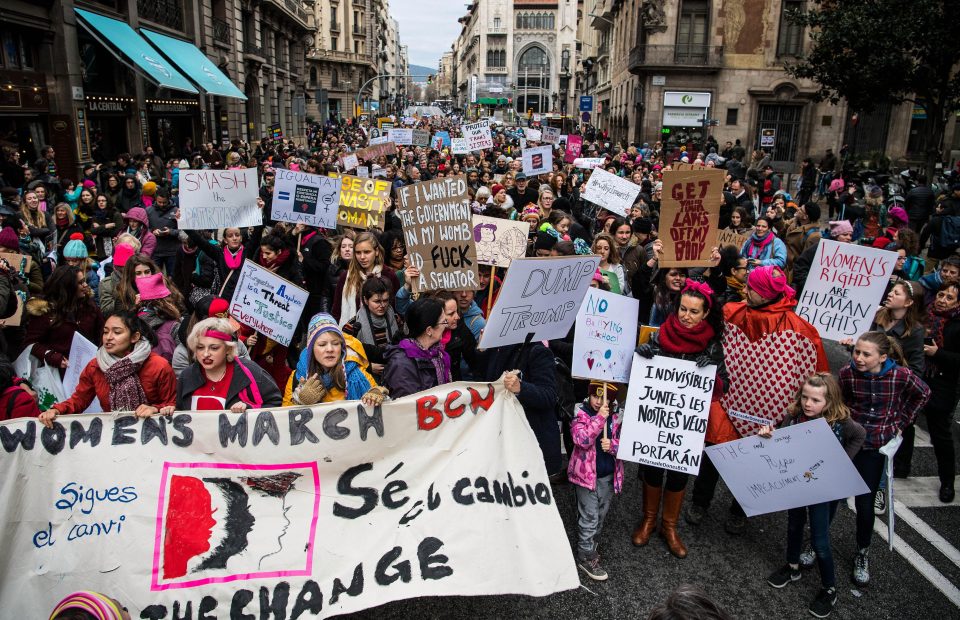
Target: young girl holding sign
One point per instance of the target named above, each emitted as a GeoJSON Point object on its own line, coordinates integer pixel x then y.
{"type": "Point", "coordinates": [819, 396]}
{"type": "Point", "coordinates": [884, 396]}
{"type": "Point", "coordinates": [595, 470]}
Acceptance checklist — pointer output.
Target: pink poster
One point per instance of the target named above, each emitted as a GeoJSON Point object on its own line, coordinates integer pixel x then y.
{"type": "Point", "coordinates": [574, 146]}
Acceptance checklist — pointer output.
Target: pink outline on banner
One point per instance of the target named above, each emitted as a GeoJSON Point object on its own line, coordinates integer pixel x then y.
{"type": "Point", "coordinates": [154, 582]}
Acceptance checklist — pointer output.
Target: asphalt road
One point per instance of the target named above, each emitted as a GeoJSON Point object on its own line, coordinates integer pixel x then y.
{"type": "Point", "coordinates": [917, 580]}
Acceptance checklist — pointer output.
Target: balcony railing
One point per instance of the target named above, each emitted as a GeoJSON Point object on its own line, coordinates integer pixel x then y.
{"type": "Point", "coordinates": [665, 57]}
{"type": "Point", "coordinates": [497, 30]}
{"type": "Point", "coordinates": [221, 30]}
{"type": "Point", "coordinates": [294, 8]}
{"type": "Point", "coordinates": [253, 49]}
{"type": "Point", "coordinates": [167, 13]}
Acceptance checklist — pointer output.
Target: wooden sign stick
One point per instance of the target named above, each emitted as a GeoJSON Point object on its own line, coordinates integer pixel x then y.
{"type": "Point", "coordinates": [493, 277]}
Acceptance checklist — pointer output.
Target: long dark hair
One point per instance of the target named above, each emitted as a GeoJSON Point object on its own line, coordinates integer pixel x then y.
{"type": "Point", "coordinates": [62, 292]}
{"type": "Point", "coordinates": [423, 313]}
{"type": "Point", "coordinates": [136, 325]}
{"type": "Point", "coordinates": [664, 298]}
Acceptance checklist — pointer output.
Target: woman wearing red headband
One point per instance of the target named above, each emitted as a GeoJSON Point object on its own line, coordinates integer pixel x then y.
{"type": "Point", "coordinates": [685, 334]}
{"type": "Point", "coordinates": [218, 379]}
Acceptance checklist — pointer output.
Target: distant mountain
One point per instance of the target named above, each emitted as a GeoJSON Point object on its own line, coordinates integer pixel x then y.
{"type": "Point", "coordinates": [420, 73]}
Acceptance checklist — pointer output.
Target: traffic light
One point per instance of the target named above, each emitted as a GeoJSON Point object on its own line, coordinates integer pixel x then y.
{"type": "Point", "coordinates": [429, 79]}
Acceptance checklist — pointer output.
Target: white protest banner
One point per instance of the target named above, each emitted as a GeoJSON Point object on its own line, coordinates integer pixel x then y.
{"type": "Point", "coordinates": [459, 146]}
{"type": "Point", "coordinates": [312, 199]}
{"type": "Point", "coordinates": [606, 336]}
{"type": "Point", "coordinates": [81, 352]}
{"type": "Point", "coordinates": [478, 135]}
{"type": "Point", "coordinates": [219, 199]}
{"type": "Point", "coordinates": [844, 288]}
{"type": "Point", "coordinates": [420, 138]}
{"type": "Point", "coordinates": [499, 241]}
{"type": "Point", "coordinates": [403, 137]}
{"type": "Point", "coordinates": [532, 134]}
{"type": "Point", "coordinates": [539, 298]}
{"type": "Point", "coordinates": [284, 513]}
{"type": "Point", "coordinates": [551, 135]}
{"type": "Point", "coordinates": [589, 163]}
{"type": "Point", "coordinates": [665, 419]}
{"type": "Point", "coordinates": [799, 465]}
{"type": "Point", "coordinates": [610, 191]}
{"type": "Point", "coordinates": [350, 162]}
{"type": "Point", "coordinates": [537, 160]}
{"type": "Point", "coordinates": [379, 140]}
{"type": "Point", "coordinates": [267, 303]}
{"type": "Point", "coordinates": [437, 227]}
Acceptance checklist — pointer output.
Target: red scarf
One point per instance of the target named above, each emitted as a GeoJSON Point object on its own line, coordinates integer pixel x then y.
{"type": "Point", "coordinates": [277, 262]}
{"type": "Point", "coordinates": [676, 339]}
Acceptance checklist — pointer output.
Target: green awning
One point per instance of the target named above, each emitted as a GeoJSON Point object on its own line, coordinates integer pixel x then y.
{"type": "Point", "coordinates": [491, 101]}
{"type": "Point", "coordinates": [195, 64]}
{"type": "Point", "coordinates": [115, 34]}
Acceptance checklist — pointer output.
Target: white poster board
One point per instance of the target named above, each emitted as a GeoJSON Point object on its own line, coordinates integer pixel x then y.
{"type": "Point", "coordinates": [532, 134]}
{"type": "Point", "coordinates": [267, 303]}
{"type": "Point", "coordinates": [606, 336]}
{"type": "Point", "coordinates": [551, 135]}
{"type": "Point", "coordinates": [81, 352]}
{"type": "Point", "coordinates": [400, 136]}
{"type": "Point", "coordinates": [589, 163]}
{"type": "Point", "coordinates": [537, 160]}
{"type": "Point", "coordinates": [311, 199]}
{"type": "Point", "coordinates": [610, 191]}
{"type": "Point", "coordinates": [459, 146]}
{"type": "Point", "coordinates": [212, 199]}
{"type": "Point", "coordinates": [844, 288]}
{"type": "Point", "coordinates": [350, 162]}
{"type": "Point", "coordinates": [798, 466]}
{"type": "Point", "coordinates": [665, 416]}
{"type": "Point", "coordinates": [478, 135]}
{"type": "Point", "coordinates": [539, 296]}
{"type": "Point", "coordinates": [499, 241]}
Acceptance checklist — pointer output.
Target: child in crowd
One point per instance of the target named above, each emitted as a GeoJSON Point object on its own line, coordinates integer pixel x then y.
{"type": "Point", "coordinates": [595, 470]}
{"type": "Point", "coordinates": [819, 396]}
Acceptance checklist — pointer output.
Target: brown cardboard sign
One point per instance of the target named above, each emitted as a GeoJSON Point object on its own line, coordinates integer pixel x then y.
{"type": "Point", "coordinates": [21, 264]}
{"type": "Point", "coordinates": [731, 237]}
{"type": "Point", "coordinates": [689, 216]}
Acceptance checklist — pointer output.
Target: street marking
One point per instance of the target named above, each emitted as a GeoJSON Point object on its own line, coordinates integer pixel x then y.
{"type": "Point", "coordinates": [928, 533]}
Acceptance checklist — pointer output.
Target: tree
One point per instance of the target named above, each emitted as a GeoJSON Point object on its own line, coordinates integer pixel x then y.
{"type": "Point", "coordinates": [877, 51]}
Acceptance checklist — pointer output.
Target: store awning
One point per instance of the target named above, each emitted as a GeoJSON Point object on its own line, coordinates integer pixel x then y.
{"type": "Point", "coordinates": [195, 64]}
{"type": "Point", "coordinates": [492, 101]}
{"type": "Point", "coordinates": [115, 34]}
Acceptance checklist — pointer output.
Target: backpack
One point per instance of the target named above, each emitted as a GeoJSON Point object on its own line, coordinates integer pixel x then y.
{"type": "Point", "coordinates": [950, 232]}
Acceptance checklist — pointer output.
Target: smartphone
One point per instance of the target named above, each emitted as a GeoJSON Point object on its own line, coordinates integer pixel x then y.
{"type": "Point", "coordinates": [928, 341]}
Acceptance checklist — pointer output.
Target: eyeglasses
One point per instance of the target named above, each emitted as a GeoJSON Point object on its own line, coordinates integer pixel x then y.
{"type": "Point", "coordinates": [744, 268]}
{"type": "Point", "coordinates": [443, 323]}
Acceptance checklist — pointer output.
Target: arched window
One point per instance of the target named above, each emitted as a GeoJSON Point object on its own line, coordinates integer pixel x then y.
{"type": "Point", "coordinates": [533, 59]}
{"type": "Point", "coordinates": [551, 22]}
{"type": "Point", "coordinates": [520, 21]}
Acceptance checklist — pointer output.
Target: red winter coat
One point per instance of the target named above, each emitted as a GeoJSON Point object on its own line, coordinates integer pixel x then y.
{"type": "Point", "coordinates": [16, 403]}
{"type": "Point", "coordinates": [156, 376]}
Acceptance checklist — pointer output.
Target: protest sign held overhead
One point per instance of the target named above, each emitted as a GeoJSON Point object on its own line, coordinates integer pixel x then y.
{"type": "Point", "coordinates": [478, 135]}
{"type": "Point", "coordinates": [267, 303]}
{"type": "Point", "coordinates": [799, 465]}
{"type": "Point", "coordinates": [610, 191]}
{"type": "Point", "coordinates": [689, 216]}
{"type": "Point", "coordinates": [403, 137]}
{"type": "Point", "coordinates": [605, 337]}
{"type": "Point", "coordinates": [311, 199]}
{"type": "Point", "coordinates": [459, 146]}
{"type": "Point", "coordinates": [437, 226]}
{"type": "Point", "coordinates": [420, 138]}
{"type": "Point", "coordinates": [551, 135]}
{"type": "Point", "coordinates": [537, 160]}
{"type": "Point", "coordinates": [539, 298]}
{"type": "Point", "coordinates": [532, 134]}
{"type": "Point", "coordinates": [730, 238]}
{"type": "Point", "coordinates": [499, 241]}
{"type": "Point", "coordinates": [349, 162]}
{"type": "Point", "coordinates": [589, 163]}
{"type": "Point", "coordinates": [844, 288]}
{"type": "Point", "coordinates": [574, 147]}
{"type": "Point", "coordinates": [665, 416]}
{"type": "Point", "coordinates": [283, 513]}
{"type": "Point", "coordinates": [219, 199]}
{"type": "Point", "coordinates": [443, 137]}
{"type": "Point", "coordinates": [363, 202]}
{"type": "Point", "coordinates": [377, 148]}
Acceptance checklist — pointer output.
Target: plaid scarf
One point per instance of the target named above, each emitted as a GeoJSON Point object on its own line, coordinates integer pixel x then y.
{"type": "Point", "coordinates": [122, 374]}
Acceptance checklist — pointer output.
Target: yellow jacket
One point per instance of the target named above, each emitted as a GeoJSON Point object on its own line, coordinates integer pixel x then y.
{"type": "Point", "coordinates": [355, 353]}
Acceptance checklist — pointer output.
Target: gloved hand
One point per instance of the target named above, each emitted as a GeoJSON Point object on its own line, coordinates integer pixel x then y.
{"type": "Point", "coordinates": [310, 391]}
{"type": "Point", "coordinates": [704, 360]}
{"type": "Point", "coordinates": [645, 350]}
{"type": "Point", "coordinates": [374, 396]}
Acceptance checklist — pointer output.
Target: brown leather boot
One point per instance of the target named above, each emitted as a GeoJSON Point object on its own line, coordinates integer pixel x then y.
{"type": "Point", "coordinates": [672, 501]}
{"type": "Point", "coordinates": [651, 505]}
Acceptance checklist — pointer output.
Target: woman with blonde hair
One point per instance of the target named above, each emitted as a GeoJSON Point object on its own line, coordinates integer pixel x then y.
{"type": "Point", "coordinates": [367, 261]}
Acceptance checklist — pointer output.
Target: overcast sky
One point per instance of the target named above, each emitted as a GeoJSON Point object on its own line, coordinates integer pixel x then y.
{"type": "Point", "coordinates": [428, 27]}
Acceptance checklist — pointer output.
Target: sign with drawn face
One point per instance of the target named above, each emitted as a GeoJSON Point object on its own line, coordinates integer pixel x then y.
{"type": "Point", "coordinates": [499, 241]}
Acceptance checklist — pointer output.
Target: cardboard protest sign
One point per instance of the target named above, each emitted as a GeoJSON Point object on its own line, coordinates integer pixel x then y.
{"type": "Point", "coordinates": [459, 146]}
{"type": "Point", "coordinates": [844, 288]}
{"type": "Point", "coordinates": [402, 137]}
{"type": "Point", "coordinates": [799, 465]}
{"type": "Point", "coordinates": [362, 202]}
{"type": "Point", "coordinates": [539, 297]}
{"type": "Point", "coordinates": [499, 241]}
{"type": "Point", "coordinates": [478, 135]}
{"type": "Point", "coordinates": [665, 419]}
{"type": "Point", "coordinates": [731, 237]}
{"type": "Point", "coordinates": [589, 163]}
{"type": "Point", "coordinates": [532, 134]}
{"type": "Point", "coordinates": [606, 336]}
{"type": "Point", "coordinates": [574, 146]}
{"type": "Point", "coordinates": [267, 303]}
{"type": "Point", "coordinates": [420, 137]}
{"type": "Point", "coordinates": [21, 265]}
{"type": "Point", "coordinates": [610, 191]}
{"type": "Point", "coordinates": [300, 197]}
{"type": "Point", "coordinates": [551, 135]}
{"type": "Point", "coordinates": [437, 221]}
{"type": "Point", "coordinates": [282, 513]}
{"type": "Point", "coordinates": [350, 162]}
{"type": "Point", "coordinates": [537, 160]}
{"type": "Point", "coordinates": [689, 216]}
{"type": "Point", "coordinates": [219, 199]}
{"type": "Point", "coordinates": [381, 147]}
